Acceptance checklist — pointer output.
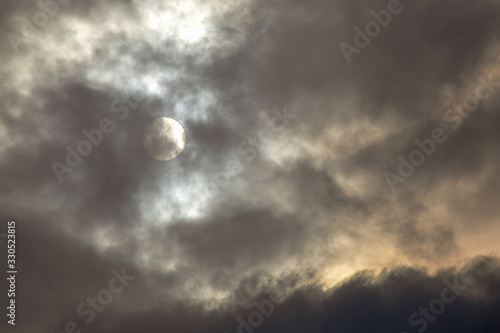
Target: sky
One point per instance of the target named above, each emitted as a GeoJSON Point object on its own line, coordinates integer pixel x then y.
{"type": "Point", "coordinates": [340, 171]}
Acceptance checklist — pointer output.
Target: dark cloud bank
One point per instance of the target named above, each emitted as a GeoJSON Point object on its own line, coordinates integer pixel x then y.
{"type": "Point", "coordinates": [364, 303]}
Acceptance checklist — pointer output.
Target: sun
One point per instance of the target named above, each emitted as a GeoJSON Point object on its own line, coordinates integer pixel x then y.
{"type": "Point", "coordinates": [164, 139]}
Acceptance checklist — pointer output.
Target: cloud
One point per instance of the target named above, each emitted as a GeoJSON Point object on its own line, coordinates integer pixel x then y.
{"type": "Point", "coordinates": [201, 252]}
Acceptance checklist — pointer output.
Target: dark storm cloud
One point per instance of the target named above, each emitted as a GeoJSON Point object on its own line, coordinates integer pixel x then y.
{"type": "Point", "coordinates": [363, 303]}
{"type": "Point", "coordinates": [73, 110]}
{"type": "Point", "coordinates": [402, 71]}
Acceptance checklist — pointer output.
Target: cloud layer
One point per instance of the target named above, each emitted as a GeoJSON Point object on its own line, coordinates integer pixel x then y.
{"type": "Point", "coordinates": [283, 180]}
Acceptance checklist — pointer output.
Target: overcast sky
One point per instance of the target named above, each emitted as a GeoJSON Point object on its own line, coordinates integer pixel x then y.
{"type": "Point", "coordinates": [342, 171]}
